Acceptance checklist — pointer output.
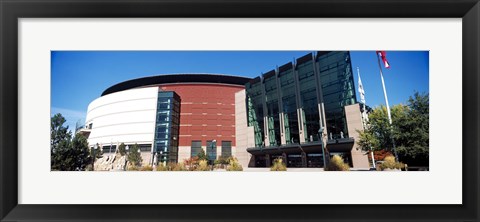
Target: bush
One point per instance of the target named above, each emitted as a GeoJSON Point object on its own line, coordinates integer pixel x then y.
{"type": "Point", "coordinates": [390, 163]}
{"type": "Point", "coordinates": [223, 160]}
{"type": "Point", "coordinates": [203, 166]}
{"type": "Point", "coordinates": [172, 167]}
{"type": "Point", "coordinates": [146, 168]}
{"type": "Point", "coordinates": [337, 164]}
{"type": "Point", "coordinates": [278, 165]}
{"type": "Point", "coordinates": [201, 155]}
{"type": "Point", "coordinates": [121, 149]}
{"type": "Point", "coordinates": [191, 163]}
{"type": "Point", "coordinates": [177, 167]}
{"type": "Point", "coordinates": [161, 167]}
{"type": "Point", "coordinates": [234, 165]}
{"type": "Point", "coordinates": [134, 156]}
{"type": "Point", "coordinates": [133, 168]}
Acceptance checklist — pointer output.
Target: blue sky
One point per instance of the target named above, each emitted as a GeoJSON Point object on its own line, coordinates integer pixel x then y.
{"type": "Point", "coordinates": [79, 77]}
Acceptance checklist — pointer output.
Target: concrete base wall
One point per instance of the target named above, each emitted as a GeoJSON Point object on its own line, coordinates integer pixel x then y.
{"type": "Point", "coordinates": [146, 158]}
{"type": "Point", "coordinates": [354, 123]}
{"type": "Point", "coordinates": [183, 153]}
{"type": "Point", "coordinates": [244, 135]}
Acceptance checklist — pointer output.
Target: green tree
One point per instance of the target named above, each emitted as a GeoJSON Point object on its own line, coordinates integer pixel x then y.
{"type": "Point", "coordinates": [62, 156]}
{"type": "Point", "coordinates": [81, 157]}
{"type": "Point", "coordinates": [121, 149]}
{"type": "Point", "coordinates": [58, 132]}
{"type": "Point", "coordinates": [409, 130]}
{"type": "Point", "coordinates": [201, 155]}
{"type": "Point", "coordinates": [98, 152]}
{"type": "Point", "coordinates": [59, 139]}
{"type": "Point", "coordinates": [67, 154]}
{"type": "Point", "coordinates": [134, 155]}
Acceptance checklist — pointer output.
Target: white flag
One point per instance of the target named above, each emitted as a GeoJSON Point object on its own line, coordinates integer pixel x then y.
{"type": "Point", "coordinates": [360, 89]}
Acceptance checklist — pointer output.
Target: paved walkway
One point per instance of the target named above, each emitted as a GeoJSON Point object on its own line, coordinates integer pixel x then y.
{"type": "Point", "coordinates": [267, 169]}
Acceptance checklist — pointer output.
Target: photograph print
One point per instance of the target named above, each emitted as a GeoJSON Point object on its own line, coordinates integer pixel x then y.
{"type": "Point", "coordinates": [250, 111]}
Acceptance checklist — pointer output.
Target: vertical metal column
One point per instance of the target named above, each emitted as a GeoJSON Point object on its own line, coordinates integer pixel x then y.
{"type": "Point", "coordinates": [280, 108]}
{"type": "Point", "coordinates": [265, 115]}
{"type": "Point", "coordinates": [321, 107]}
{"type": "Point", "coordinates": [301, 132]}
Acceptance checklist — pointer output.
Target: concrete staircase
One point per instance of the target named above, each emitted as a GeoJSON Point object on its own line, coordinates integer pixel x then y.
{"type": "Point", "coordinates": [111, 162]}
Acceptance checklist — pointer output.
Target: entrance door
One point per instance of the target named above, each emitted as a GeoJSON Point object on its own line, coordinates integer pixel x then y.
{"type": "Point", "coordinates": [315, 160]}
{"type": "Point", "coordinates": [294, 160]}
{"type": "Point", "coordinates": [260, 161]}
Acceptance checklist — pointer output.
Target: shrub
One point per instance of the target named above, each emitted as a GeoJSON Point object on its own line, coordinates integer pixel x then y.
{"type": "Point", "coordinates": [146, 168]}
{"type": "Point", "coordinates": [161, 167]}
{"type": "Point", "coordinates": [337, 164]}
{"type": "Point", "coordinates": [390, 163]}
{"type": "Point", "coordinates": [223, 160]}
{"type": "Point", "coordinates": [121, 149]}
{"type": "Point", "coordinates": [133, 168]}
{"type": "Point", "coordinates": [191, 163]}
{"type": "Point", "coordinates": [177, 167]}
{"type": "Point", "coordinates": [278, 165]}
{"type": "Point", "coordinates": [203, 166]}
{"type": "Point", "coordinates": [134, 155]}
{"type": "Point", "coordinates": [172, 167]}
{"type": "Point", "coordinates": [234, 165]}
{"type": "Point", "coordinates": [201, 155]}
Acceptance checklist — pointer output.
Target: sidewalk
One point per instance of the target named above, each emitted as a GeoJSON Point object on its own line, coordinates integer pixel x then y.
{"type": "Point", "coordinates": [267, 169]}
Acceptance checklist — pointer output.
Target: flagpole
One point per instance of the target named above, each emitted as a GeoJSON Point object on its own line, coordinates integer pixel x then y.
{"type": "Point", "coordinates": [388, 107]}
{"type": "Point", "coordinates": [364, 113]}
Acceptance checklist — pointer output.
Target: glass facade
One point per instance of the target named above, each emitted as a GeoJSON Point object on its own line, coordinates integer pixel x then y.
{"type": "Point", "coordinates": [338, 90]}
{"type": "Point", "coordinates": [289, 103]}
{"type": "Point", "coordinates": [308, 98]}
{"type": "Point", "coordinates": [294, 92]}
{"type": "Point", "coordinates": [255, 99]}
{"type": "Point", "coordinates": [166, 127]}
{"type": "Point", "coordinates": [271, 99]}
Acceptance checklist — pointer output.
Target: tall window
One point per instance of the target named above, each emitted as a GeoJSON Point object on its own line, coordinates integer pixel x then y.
{"type": "Point", "coordinates": [255, 109]}
{"type": "Point", "coordinates": [271, 97]}
{"type": "Point", "coordinates": [211, 149]}
{"type": "Point", "coordinates": [338, 89]}
{"type": "Point", "coordinates": [166, 126]}
{"type": "Point", "coordinates": [308, 97]}
{"type": "Point", "coordinates": [290, 118]}
{"type": "Point", "coordinates": [196, 147]}
{"type": "Point", "coordinates": [226, 148]}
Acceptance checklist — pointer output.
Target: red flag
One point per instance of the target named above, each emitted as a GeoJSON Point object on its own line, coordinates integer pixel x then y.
{"type": "Point", "coordinates": [383, 55]}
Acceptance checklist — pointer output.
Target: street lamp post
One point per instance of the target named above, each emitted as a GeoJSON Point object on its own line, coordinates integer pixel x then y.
{"type": "Point", "coordinates": [161, 157]}
{"type": "Point", "coordinates": [320, 136]}
{"type": "Point", "coordinates": [94, 156]}
{"type": "Point", "coordinates": [139, 152]}
{"type": "Point", "coordinates": [126, 156]}
{"type": "Point", "coordinates": [213, 146]}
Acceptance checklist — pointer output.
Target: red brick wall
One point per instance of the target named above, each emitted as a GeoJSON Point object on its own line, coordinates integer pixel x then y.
{"type": "Point", "coordinates": [207, 112]}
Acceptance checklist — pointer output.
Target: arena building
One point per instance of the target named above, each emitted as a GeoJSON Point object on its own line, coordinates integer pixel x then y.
{"type": "Point", "coordinates": [172, 116]}
{"type": "Point", "coordinates": [302, 111]}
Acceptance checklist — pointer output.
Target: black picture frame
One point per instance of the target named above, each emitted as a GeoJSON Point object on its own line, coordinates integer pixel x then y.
{"type": "Point", "coordinates": [11, 11]}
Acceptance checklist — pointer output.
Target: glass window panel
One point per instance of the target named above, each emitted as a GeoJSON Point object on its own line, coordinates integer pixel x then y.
{"type": "Point", "coordinates": [226, 148]}
{"type": "Point", "coordinates": [211, 150]}
{"type": "Point", "coordinates": [338, 90]}
{"type": "Point", "coordinates": [196, 147]}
